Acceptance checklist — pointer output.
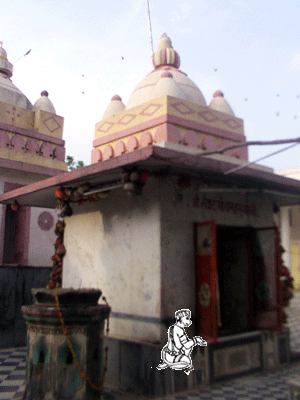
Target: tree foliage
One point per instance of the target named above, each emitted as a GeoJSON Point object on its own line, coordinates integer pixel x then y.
{"type": "Point", "coordinates": [72, 164]}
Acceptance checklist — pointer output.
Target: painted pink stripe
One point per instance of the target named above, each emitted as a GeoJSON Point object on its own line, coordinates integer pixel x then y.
{"type": "Point", "coordinates": [32, 134]}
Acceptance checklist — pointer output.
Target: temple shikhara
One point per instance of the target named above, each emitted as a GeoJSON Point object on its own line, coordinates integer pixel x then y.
{"type": "Point", "coordinates": [167, 106]}
{"type": "Point", "coordinates": [169, 215]}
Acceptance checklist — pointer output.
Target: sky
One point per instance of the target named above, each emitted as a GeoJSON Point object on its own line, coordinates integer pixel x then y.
{"type": "Point", "coordinates": [85, 52]}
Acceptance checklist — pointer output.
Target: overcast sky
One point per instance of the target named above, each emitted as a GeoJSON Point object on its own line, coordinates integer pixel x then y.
{"type": "Point", "coordinates": [77, 49]}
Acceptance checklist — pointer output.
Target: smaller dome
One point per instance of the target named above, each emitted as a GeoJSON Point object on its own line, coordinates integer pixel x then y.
{"type": "Point", "coordinates": [44, 103]}
{"type": "Point", "coordinates": [5, 66]}
{"type": "Point", "coordinates": [115, 107]}
{"type": "Point", "coordinates": [167, 86]}
{"type": "Point", "coordinates": [218, 103]}
{"type": "Point", "coordinates": [165, 54]}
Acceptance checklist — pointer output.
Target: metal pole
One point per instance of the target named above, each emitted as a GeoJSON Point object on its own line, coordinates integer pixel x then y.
{"type": "Point", "coordinates": [149, 26]}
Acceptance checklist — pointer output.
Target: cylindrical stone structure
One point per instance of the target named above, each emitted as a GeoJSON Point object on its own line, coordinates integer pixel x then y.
{"type": "Point", "coordinates": [52, 373]}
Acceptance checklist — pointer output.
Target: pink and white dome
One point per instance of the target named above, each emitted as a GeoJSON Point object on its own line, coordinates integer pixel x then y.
{"type": "Point", "coordinates": [158, 83]}
{"type": "Point", "coordinates": [44, 103]}
{"type": "Point", "coordinates": [9, 93]}
{"type": "Point", "coordinates": [218, 103]}
{"type": "Point", "coordinates": [115, 106]}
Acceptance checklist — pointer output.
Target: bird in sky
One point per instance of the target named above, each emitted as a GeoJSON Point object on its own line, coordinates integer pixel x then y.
{"type": "Point", "coordinates": [215, 69]}
{"type": "Point", "coordinates": [277, 95]}
{"type": "Point", "coordinates": [246, 99]}
{"type": "Point", "coordinates": [122, 58]}
{"type": "Point", "coordinates": [277, 113]}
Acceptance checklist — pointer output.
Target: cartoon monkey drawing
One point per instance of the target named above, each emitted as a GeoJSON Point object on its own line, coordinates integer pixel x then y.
{"type": "Point", "coordinates": [176, 354]}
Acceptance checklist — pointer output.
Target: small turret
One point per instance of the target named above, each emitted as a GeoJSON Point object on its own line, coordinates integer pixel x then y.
{"type": "Point", "coordinates": [115, 107]}
{"type": "Point", "coordinates": [44, 103]}
{"type": "Point", "coordinates": [218, 103]}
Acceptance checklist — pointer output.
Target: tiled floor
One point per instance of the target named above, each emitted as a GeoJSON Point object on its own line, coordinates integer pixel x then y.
{"type": "Point", "coordinates": [259, 386]}
{"type": "Point", "coordinates": [12, 373]}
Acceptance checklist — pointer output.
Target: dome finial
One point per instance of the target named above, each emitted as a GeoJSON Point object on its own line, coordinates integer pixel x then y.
{"type": "Point", "coordinates": [218, 93]}
{"type": "Point", "coordinates": [165, 54]}
{"type": "Point", "coordinates": [1, 44]}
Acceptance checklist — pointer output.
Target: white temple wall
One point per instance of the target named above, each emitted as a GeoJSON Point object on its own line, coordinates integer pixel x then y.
{"type": "Point", "coordinates": [41, 237]}
{"type": "Point", "coordinates": [285, 231]}
{"type": "Point", "coordinates": [114, 245]}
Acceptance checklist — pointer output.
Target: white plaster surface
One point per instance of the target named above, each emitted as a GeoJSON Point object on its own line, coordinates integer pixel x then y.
{"type": "Point", "coordinates": [286, 234]}
{"type": "Point", "coordinates": [45, 104]}
{"type": "Point", "coordinates": [114, 107]}
{"type": "Point", "coordinates": [220, 104]}
{"type": "Point", "coordinates": [41, 242]}
{"type": "Point", "coordinates": [146, 90]}
{"type": "Point", "coordinates": [114, 245]}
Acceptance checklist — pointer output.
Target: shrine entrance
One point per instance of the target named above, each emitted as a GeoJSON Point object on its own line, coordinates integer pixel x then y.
{"type": "Point", "coordinates": [233, 267]}
{"type": "Point", "coordinates": [237, 280]}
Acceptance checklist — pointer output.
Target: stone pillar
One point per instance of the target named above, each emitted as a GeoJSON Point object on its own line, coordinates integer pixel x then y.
{"type": "Point", "coordinates": [52, 373]}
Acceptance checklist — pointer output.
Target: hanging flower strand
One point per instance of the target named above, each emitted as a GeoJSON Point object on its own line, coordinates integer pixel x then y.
{"type": "Point", "coordinates": [57, 259]}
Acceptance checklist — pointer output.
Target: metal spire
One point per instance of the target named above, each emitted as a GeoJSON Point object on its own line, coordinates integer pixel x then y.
{"type": "Point", "coordinates": [149, 27]}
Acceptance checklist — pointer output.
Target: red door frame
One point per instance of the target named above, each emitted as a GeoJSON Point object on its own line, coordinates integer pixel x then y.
{"type": "Point", "coordinates": [206, 279]}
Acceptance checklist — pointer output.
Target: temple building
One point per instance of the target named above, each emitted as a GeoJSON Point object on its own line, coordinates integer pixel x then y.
{"type": "Point", "coordinates": [170, 215]}
{"type": "Point", "coordinates": [31, 150]}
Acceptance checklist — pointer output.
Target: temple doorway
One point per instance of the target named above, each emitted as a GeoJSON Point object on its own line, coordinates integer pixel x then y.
{"type": "Point", "coordinates": [237, 279]}
{"type": "Point", "coordinates": [233, 266]}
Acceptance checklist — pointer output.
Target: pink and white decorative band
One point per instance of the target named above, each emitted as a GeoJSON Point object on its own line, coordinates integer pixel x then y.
{"type": "Point", "coordinates": [30, 145]}
{"type": "Point", "coordinates": [166, 133]}
{"type": "Point", "coordinates": [31, 134]}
